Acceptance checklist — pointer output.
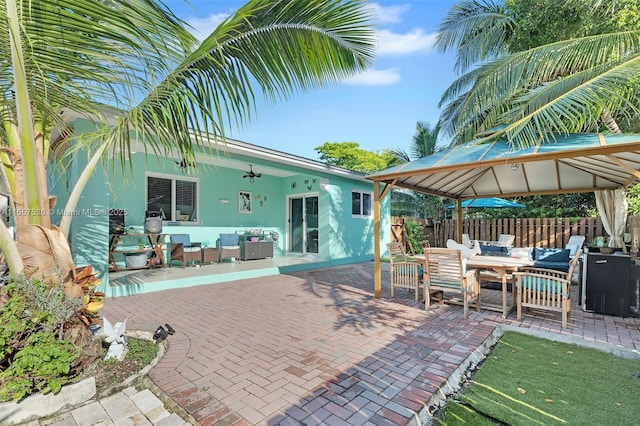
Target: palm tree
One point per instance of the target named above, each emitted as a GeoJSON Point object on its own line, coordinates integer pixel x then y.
{"type": "Point", "coordinates": [136, 56]}
{"type": "Point", "coordinates": [566, 86]}
{"type": "Point", "coordinates": [423, 143]}
{"type": "Point", "coordinates": [411, 203]}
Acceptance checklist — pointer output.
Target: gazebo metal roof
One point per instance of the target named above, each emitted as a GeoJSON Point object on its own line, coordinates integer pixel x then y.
{"type": "Point", "coordinates": [582, 162]}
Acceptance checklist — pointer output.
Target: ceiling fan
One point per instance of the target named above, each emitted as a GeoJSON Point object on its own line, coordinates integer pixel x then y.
{"type": "Point", "coordinates": [251, 174]}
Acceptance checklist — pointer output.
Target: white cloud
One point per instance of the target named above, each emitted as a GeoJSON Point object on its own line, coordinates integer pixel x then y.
{"type": "Point", "coordinates": [389, 15]}
{"type": "Point", "coordinates": [373, 77]}
{"type": "Point", "coordinates": [390, 43]}
{"type": "Point", "coordinates": [202, 27]}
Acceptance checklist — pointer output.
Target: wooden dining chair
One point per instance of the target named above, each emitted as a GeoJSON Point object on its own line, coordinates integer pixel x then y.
{"type": "Point", "coordinates": [444, 271]}
{"type": "Point", "coordinates": [404, 273]}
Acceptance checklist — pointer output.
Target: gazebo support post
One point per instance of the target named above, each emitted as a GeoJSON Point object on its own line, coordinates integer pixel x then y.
{"type": "Point", "coordinates": [459, 220]}
{"type": "Point", "coordinates": [377, 272]}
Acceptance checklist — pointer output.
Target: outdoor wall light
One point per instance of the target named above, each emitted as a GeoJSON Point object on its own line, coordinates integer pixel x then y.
{"type": "Point", "coordinates": [515, 167]}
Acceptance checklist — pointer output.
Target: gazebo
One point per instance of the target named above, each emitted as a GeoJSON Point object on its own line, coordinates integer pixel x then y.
{"type": "Point", "coordinates": [582, 162]}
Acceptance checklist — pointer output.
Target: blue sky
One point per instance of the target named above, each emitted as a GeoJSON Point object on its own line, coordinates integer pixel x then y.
{"type": "Point", "coordinates": [378, 109]}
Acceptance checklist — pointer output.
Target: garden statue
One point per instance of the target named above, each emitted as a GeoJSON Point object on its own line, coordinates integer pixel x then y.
{"type": "Point", "coordinates": [115, 338]}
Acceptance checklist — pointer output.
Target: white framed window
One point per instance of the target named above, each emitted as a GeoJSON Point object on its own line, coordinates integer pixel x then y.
{"type": "Point", "coordinates": [174, 197]}
{"type": "Point", "coordinates": [361, 203]}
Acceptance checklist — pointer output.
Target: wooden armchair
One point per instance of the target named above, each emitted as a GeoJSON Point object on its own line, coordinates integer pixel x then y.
{"type": "Point", "coordinates": [444, 271]}
{"type": "Point", "coordinates": [182, 249]}
{"type": "Point", "coordinates": [568, 275]}
{"type": "Point", "coordinates": [541, 291]}
{"type": "Point", "coordinates": [546, 289]}
{"type": "Point", "coordinates": [404, 273]}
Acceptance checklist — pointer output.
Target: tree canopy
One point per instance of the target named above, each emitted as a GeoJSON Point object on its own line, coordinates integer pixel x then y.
{"type": "Point", "coordinates": [136, 61]}
{"type": "Point", "coordinates": [351, 156]}
{"type": "Point", "coordinates": [580, 78]}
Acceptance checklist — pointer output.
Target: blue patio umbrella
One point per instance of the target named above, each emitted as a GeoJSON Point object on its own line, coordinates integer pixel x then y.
{"type": "Point", "coordinates": [493, 202]}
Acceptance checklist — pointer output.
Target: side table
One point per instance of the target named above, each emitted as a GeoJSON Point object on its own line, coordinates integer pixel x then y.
{"type": "Point", "coordinates": [209, 255]}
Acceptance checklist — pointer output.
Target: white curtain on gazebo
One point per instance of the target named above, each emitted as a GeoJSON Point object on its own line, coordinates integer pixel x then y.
{"type": "Point", "coordinates": [612, 205]}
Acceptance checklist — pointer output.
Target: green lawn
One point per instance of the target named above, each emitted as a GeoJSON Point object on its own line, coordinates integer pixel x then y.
{"type": "Point", "coordinates": [531, 381]}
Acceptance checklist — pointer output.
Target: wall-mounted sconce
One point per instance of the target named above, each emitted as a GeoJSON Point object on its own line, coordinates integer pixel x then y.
{"type": "Point", "coordinates": [515, 167]}
{"type": "Point", "coordinates": [223, 201]}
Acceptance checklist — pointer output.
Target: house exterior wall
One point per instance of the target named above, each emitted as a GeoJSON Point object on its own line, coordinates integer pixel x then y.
{"type": "Point", "coordinates": [343, 238]}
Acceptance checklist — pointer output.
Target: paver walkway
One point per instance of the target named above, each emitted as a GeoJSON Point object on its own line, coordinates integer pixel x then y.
{"type": "Point", "coordinates": [315, 347]}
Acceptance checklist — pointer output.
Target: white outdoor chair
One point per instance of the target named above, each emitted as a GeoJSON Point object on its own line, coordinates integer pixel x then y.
{"type": "Point", "coordinates": [574, 244]}
{"type": "Point", "coordinates": [506, 240]}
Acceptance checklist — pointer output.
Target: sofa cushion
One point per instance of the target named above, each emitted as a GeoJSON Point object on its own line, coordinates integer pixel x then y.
{"type": "Point", "coordinates": [551, 255]}
{"type": "Point", "coordinates": [485, 249]}
{"type": "Point", "coordinates": [558, 266]}
{"type": "Point", "coordinates": [229, 240]}
{"type": "Point", "coordinates": [549, 285]}
{"type": "Point", "coordinates": [181, 239]}
{"type": "Point", "coordinates": [522, 253]}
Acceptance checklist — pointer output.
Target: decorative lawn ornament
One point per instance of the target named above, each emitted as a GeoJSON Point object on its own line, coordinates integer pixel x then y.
{"type": "Point", "coordinates": [116, 339]}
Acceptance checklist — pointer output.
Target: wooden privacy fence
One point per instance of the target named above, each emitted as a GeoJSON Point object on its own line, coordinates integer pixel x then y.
{"type": "Point", "coordinates": [529, 232]}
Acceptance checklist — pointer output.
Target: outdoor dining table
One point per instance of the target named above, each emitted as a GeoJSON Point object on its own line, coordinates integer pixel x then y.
{"type": "Point", "coordinates": [502, 266]}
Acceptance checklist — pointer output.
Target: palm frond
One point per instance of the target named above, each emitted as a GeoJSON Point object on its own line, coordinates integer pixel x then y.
{"type": "Point", "coordinates": [476, 30]}
{"type": "Point", "coordinates": [279, 46]}
{"type": "Point", "coordinates": [593, 72]}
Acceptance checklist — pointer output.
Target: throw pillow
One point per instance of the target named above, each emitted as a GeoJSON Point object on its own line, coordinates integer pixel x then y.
{"type": "Point", "coordinates": [552, 255]}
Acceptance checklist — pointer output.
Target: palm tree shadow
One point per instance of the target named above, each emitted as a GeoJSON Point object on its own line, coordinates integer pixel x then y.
{"type": "Point", "coordinates": [362, 314]}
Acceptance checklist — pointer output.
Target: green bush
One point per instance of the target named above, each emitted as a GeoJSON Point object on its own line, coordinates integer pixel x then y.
{"type": "Point", "coordinates": [415, 234]}
{"type": "Point", "coordinates": [32, 358]}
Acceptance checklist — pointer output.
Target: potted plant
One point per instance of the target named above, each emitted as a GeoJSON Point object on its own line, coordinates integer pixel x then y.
{"type": "Point", "coordinates": [136, 260]}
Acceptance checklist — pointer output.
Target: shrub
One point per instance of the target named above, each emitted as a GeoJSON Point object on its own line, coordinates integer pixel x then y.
{"type": "Point", "coordinates": [32, 357]}
{"type": "Point", "coordinates": [415, 234]}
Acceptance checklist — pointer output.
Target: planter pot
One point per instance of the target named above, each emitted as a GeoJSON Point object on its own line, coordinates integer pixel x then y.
{"type": "Point", "coordinates": [136, 260]}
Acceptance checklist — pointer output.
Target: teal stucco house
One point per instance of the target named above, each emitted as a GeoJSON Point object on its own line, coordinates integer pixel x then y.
{"type": "Point", "coordinates": [304, 208]}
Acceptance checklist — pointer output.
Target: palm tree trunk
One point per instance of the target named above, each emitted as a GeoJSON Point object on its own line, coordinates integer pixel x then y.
{"type": "Point", "coordinates": [34, 193]}
{"type": "Point", "coordinates": [78, 188]}
{"type": "Point", "coordinates": [609, 122]}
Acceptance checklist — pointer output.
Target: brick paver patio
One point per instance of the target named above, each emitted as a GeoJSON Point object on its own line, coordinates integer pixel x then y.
{"type": "Point", "coordinates": [315, 347]}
